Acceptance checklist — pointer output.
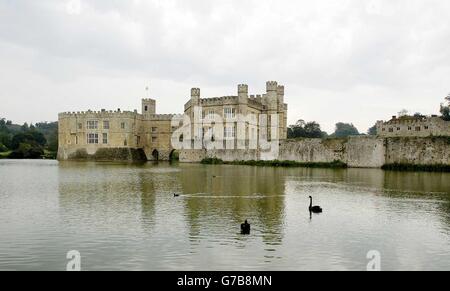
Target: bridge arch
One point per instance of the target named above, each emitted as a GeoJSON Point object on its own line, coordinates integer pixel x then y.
{"type": "Point", "coordinates": [174, 155]}
{"type": "Point", "coordinates": [155, 155]}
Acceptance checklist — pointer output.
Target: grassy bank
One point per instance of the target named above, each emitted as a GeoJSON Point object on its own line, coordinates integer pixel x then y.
{"type": "Point", "coordinates": [276, 163]}
{"type": "Point", "coordinates": [416, 168]}
{"type": "Point", "coordinates": [47, 155]}
{"type": "Point", "coordinates": [4, 155]}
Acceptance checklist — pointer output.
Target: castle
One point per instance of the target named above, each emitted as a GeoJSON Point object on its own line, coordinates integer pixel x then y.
{"type": "Point", "coordinates": [413, 126]}
{"type": "Point", "coordinates": [111, 135]}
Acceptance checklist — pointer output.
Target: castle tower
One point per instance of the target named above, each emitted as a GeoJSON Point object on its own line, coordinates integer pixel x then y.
{"type": "Point", "coordinates": [272, 95]}
{"type": "Point", "coordinates": [282, 114]}
{"type": "Point", "coordinates": [148, 106]}
{"type": "Point", "coordinates": [280, 94]}
{"type": "Point", "coordinates": [243, 93]}
{"type": "Point", "coordinates": [242, 130]}
{"type": "Point", "coordinates": [195, 96]}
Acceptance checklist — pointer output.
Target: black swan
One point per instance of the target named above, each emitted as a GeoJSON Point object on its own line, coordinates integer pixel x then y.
{"type": "Point", "coordinates": [245, 228]}
{"type": "Point", "coordinates": [314, 209]}
{"type": "Point", "coordinates": [176, 195]}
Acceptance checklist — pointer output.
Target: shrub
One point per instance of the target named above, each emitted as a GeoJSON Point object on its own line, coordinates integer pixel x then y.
{"type": "Point", "coordinates": [3, 148]}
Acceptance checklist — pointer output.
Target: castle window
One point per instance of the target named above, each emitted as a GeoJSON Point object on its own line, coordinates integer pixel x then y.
{"type": "Point", "coordinates": [106, 124]}
{"type": "Point", "coordinates": [229, 132]}
{"type": "Point", "coordinates": [76, 139]}
{"type": "Point", "coordinates": [426, 127]}
{"type": "Point", "coordinates": [125, 142]}
{"type": "Point", "coordinates": [154, 138]}
{"type": "Point", "coordinates": [138, 140]}
{"type": "Point", "coordinates": [92, 138]}
{"type": "Point", "coordinates": [384, 129]}
{"type": "Point", "coordinates": [409, 128]}
{"type": "Point", "coordinates": [391, 130]}
{"type": "Point", "coordinates": [418, 128]}
{"type": "Point", "coordinates": [199, 133]}
{"type": "Point", "coordinates": [210, 114]}
{"type": "Point", "coordinates": [80, 126]}
{"type": "Point", "coordinates": [92, 124]}
{"type": "Point", "coordinates": [105, 138]}
{"type": "Point", "coordinates": [146, 108]}
{"type": "Point", "coordinates": [122, 125]}
{"type": "Point", "coordinates": [229, 112]}
{"type": "Point", "coordinates": [398, 128]}
{"type": "Point", "coordinates": [154, 129]}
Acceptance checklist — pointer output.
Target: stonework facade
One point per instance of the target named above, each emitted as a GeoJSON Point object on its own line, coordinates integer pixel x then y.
{"type": "Point", "coordinates": [241, 116]}
{"type": "Point", "coordinates": [412, 126]}
{"type": "Point", "coordinates": [86, 134]}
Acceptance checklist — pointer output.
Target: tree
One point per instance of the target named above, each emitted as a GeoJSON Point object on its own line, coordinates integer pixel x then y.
{"type": "Point", "coordinates": [403, 113]}
{"type": "Point", "coordinates": [50, 132]}
{"type": "Point", "coordinates": [297, 130]}
{"type": "Point", "coordinates": [5, 139]}
{"type": "Point", "coordinates": [372, 130]}
{"type": "Point", "coordinates": [5, 135]}
{"type": "Point", "coordinates": [3, 148]}
{"type": "Point", "coordinates": [27, 151]}
{"type": "Point", "coordinates": [28, 141]}
{"type": "Point", "coordinates": [304, 129]}
{"type": "Point", "coordinates": [445, 109]}
{"type": "Point", "coordinates": [313, 130]}
{"type": "Point", "coordinates": [345, 129]}
{"type": "Point", "coordinates": [31, 137]}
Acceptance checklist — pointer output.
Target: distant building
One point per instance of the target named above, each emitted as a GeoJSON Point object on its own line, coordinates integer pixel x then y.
{"type": "Point", "coordinates": [84, 134]}
{"type": "Point", "coordinates": [413, 126]}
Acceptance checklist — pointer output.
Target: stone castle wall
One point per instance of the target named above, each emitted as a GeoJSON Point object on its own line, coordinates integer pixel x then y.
{"type": "Point", "coordinates": [357, 152]}
{"type": "Point", "coordinates": [419, 151]}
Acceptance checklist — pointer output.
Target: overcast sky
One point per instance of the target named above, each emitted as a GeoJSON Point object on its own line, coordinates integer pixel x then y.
{"type": "Point", "coordinates": [340, 60]}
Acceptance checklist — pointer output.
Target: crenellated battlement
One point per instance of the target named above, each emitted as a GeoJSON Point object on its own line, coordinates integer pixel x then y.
{"type": "Point", "coordinates": [242, 89]}
{"type": "Point", "coordinates": [160, 117]}
{"type": "Point", "coordinates": [195, 92]}
{"type": "Point", "coordinates": [100, 114]}
{"type": "Point", "coordinates": [271, 86]}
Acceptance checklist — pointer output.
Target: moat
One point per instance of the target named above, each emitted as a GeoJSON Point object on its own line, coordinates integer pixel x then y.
{"type": "Point", "coordinates": [125, 217]}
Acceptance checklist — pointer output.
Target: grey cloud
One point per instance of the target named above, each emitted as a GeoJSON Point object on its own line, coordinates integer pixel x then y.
{"type": "Point", "coordinates": [328, 48]}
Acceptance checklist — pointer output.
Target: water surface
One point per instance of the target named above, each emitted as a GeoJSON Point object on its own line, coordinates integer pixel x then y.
{"type": "Point", "coordinates": [124, 217]}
